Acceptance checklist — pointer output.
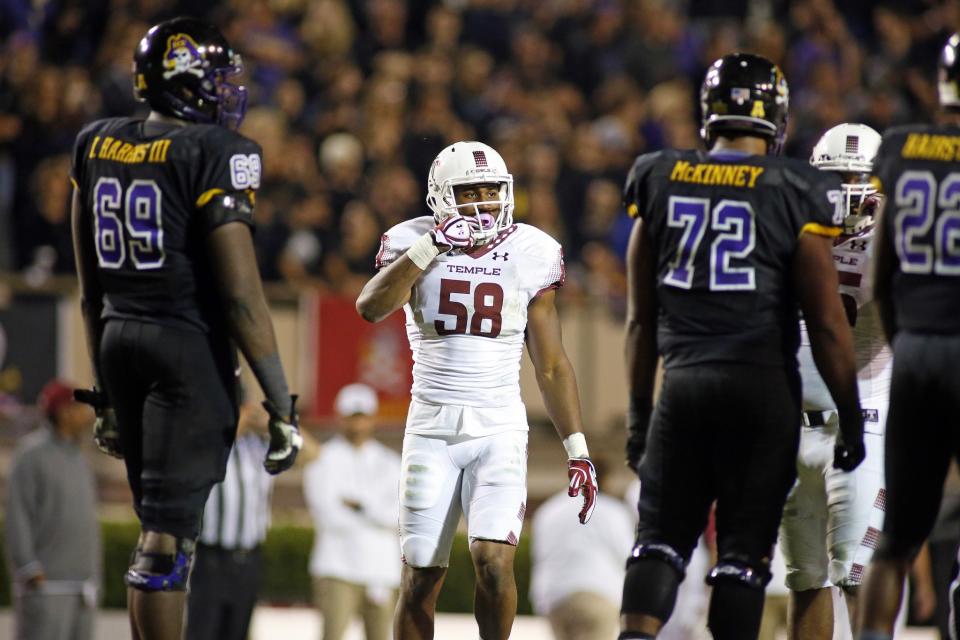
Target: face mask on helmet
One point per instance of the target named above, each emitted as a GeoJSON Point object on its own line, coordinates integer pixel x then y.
{"type": "Point", "coordinates": [855, 189]}
{"type": "Point", "coordinates": [474, 170]}
{"type": "Point", "coordinates": [849, 149]}
{"type": "Point", "coordinates": [231, 99]}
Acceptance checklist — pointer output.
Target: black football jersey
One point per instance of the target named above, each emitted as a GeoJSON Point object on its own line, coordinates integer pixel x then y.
{"type": "Point", "coordinates": [145, 185]}
{"type": "Point", "coordinates": [725, 227]}
{"type": "Point", "coordinates": [918, 168]}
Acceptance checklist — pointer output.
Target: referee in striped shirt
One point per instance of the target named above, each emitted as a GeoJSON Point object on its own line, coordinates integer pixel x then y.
{"type": "Point", "coordinates": [227, 568]}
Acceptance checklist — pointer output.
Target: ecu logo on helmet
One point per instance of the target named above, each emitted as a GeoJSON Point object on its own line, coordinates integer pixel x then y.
{"type": "Point", "coordinates": [182, 56]}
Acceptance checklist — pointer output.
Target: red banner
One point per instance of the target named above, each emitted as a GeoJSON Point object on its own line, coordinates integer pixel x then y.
{"type": "Point", "coordinates": [352, 350]}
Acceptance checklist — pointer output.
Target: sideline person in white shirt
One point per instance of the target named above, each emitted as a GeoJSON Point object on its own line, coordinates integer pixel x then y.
{"type": "Point", "coordinates": [351, 490]}
{"type": "Point", "coordinates": [578, 569]}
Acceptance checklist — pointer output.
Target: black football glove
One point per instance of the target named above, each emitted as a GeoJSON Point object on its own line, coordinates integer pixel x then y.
{"type": "Point", "coordinates": [105, 432]}
{"type": "Point", "coordinates": [849, 450]}
{"type": "Point", "coordinates": [638, 421]}
{"type": "Point", "coordinates": [285, 438]}
{"type": "Point", "coordinates": [848, 457]}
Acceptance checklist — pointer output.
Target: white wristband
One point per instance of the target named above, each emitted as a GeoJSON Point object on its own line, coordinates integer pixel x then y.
{"type": "Point", "coordinates": [576, 446]}
{"type": "Point", "coordinates": [423, 251]}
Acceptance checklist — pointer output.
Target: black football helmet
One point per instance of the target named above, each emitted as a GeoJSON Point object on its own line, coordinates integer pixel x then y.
{"type": "Point", "coordinates": [948, 74]}
{"type": "Point", "coordinates": [746, 94]}
{"type": "Point", "coordinates": [180, 69]}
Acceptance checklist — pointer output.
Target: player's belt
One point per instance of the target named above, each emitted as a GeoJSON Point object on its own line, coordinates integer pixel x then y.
{"type": "Point", "coordinates": [817, 418]}
{"type": "Point", "coordinates": [821, 418]}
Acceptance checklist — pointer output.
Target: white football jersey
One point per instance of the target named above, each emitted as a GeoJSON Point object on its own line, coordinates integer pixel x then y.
{"type": "Point", "coordinates": [852, 256]}
{"type": "Point", "coordinates": [467, 313]}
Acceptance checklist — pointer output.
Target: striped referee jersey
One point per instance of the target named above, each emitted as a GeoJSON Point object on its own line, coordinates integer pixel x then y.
{"type": "Point", "coordinates": [237, 512]}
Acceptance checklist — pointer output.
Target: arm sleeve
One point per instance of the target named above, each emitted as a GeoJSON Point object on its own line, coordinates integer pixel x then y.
{"type": "Point", "coordinates": [22, 496]}
{"type": "Point", "coordinates": [224, 207]}
{"type": "Point", "coordinates": [231, 164]}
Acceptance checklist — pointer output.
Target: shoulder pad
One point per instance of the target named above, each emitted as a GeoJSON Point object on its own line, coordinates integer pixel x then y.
{"type": "Point", "coordinates": [645, 163]}
{"type": "Point", "coordinates": [535, 239]}
{"type": "Point", "coordinates": [634, 187]}
{"type": "Point", "coordinates": [399, 237]}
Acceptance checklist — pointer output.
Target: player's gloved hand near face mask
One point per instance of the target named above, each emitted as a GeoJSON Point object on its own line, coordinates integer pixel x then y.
{"type": "Point", "coordinates": [452, 233]}
{"type": "Point", "coordinates": [105, 432]}
{"type": "Point", "coordinates": [872, 205]}
{"type": "Point", "coordinates": [285, 438]}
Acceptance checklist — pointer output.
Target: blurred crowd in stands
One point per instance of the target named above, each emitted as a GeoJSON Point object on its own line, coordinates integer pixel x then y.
{"type": "Point", "coordinates": [351, 100]}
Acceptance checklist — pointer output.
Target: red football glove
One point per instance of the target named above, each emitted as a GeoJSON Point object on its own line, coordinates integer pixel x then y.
{"type": "Point", "coordinates": [871, 205]}
{"type": "Point", "coordinates": [452, 233]}
{"type": "Point", "coordinates": [583, 481]}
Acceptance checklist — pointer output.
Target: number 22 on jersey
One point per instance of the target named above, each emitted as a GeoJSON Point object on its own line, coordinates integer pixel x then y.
{"type": "Point", "coordinates": [917, 198]}
{"type": "Point", "coordinates": [129, 223]}
{"type": "Point", "coordinates": [734, 238]}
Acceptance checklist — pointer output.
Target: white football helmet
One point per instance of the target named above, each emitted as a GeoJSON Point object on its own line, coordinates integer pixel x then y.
{"type": "Point", "coordinates": [465, 163]}
{"type": "Point", "coordinates": [849, 149]}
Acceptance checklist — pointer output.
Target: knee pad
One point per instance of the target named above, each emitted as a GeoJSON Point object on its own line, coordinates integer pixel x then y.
{"type": "Point", "coordinates": [151, 571]}
{"type": "Point", "coordinates": [654, 573]}
{"type": "Point", "coordinates": [739, 571]}
{"type": "Point", "coordinates": [420, 552]}
{"type": "Point", "coordinates": [662, 552]}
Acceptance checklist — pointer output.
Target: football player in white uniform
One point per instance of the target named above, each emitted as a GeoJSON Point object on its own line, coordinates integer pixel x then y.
{"type": "Point", "coordinates": [474, 287]}
{"type": "Point", "coordinates": [832, 519]}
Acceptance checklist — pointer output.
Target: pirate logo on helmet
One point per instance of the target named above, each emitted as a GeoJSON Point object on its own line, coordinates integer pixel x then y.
{"type": "Point", "coordinates": [182, 56]}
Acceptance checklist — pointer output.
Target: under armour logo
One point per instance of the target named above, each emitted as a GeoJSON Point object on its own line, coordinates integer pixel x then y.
{"type": "Point", "coordinates": [497, 255]}
{"type": "Point", "coordinates": [858, 245]}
